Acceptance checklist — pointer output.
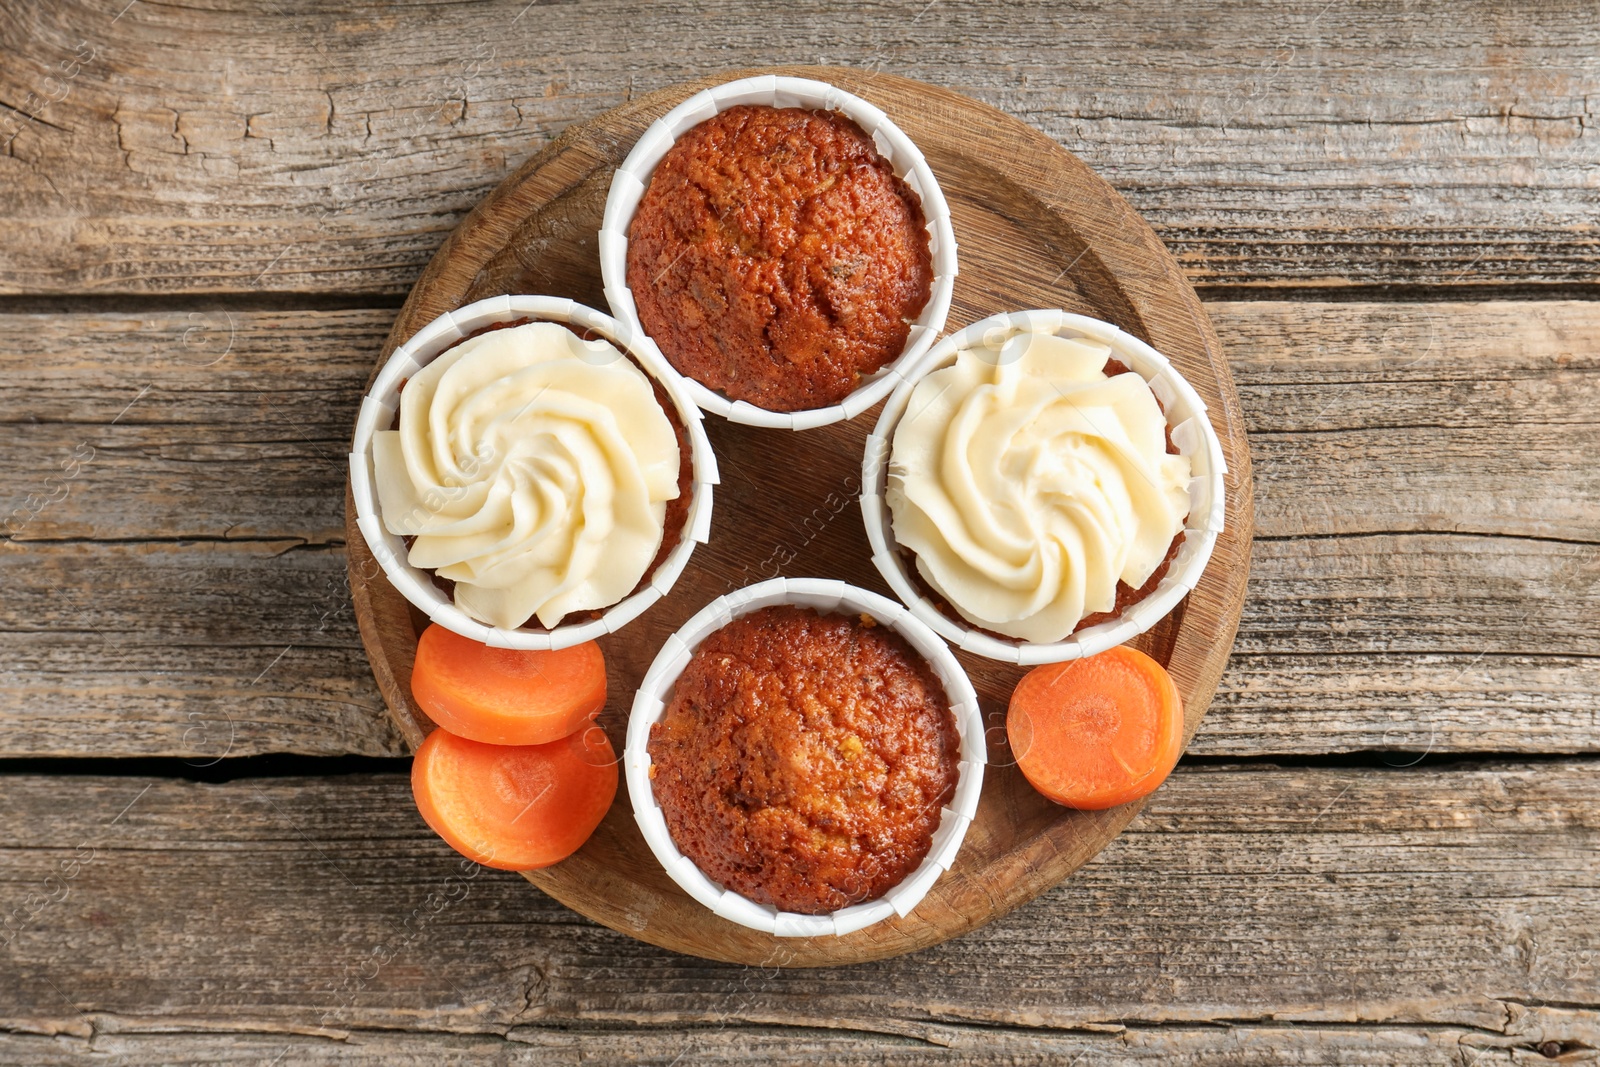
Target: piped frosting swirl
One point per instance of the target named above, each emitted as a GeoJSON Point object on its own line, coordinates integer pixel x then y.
{"type": "Point", "coordinates": [533, 468]}
{"type": "Point", "coordinates": [1028, 483]}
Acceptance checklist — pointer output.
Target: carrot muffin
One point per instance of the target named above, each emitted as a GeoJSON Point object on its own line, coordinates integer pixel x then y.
{"type": "Point", "coordinates": [804, 759]}
{"type": "Point", "coordinates": [537, 474]}
{"type": "Point", "coordinates": [1035, 487]}
{"type": "Point", "coordinates": [776, 257]}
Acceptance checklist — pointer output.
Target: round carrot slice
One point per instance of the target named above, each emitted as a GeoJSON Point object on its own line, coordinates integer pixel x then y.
{"type": "Point", "coordinates": [1096, 732]}
{"type": "Point", "coordinates": [515, 807]}
{"type": "Point", "coordinates": [504, 696]}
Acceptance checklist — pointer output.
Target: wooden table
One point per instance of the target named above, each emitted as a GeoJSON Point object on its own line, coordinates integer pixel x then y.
{"type": "Point", "coordinates": [1383, 847]}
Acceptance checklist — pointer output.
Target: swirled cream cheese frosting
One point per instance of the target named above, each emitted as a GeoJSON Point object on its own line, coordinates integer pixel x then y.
{"type": "Point", "coordinates": [1028, 483]}
{"type": "Point", "coordinates": [533, 469]}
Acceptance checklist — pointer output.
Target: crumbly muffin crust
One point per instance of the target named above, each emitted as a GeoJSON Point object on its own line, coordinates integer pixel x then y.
{"type": "Point", "coordinates": [776, 257]}
{"type": "Point", "coordinates": [804, 758]}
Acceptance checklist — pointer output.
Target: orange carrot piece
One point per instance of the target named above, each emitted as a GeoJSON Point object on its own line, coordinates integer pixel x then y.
{"type": "Point", "coordinates": [515, 807]}
{"type": "Point", "coordinates": [1097, 732]}
{"type": "Point", "coordinates": [503, 696]}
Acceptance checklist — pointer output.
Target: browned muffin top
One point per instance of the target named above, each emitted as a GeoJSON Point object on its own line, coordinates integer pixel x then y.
{"type": "Point", "coordinates": [804, 758]}
{"type": "Point", "coordinates": [776, 257]}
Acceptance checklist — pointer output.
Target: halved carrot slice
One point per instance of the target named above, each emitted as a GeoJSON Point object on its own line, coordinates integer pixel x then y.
{"type": "Point", "coordinates": [515, 807]}
{"type": "Point", "coordinates": [503, 696]}
{"type": "Point", "coordinates": [1096, 732]}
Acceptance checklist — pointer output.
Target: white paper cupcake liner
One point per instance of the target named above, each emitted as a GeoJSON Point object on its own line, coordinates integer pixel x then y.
{"type": "Point", "coordinates": [655, 692]}
{"type": "Point", "coordinates": [1192, 434]}
{"type": "Point", "coordinates": [631, 179]}
{"type": "Point", "coordinates": [377, 413]}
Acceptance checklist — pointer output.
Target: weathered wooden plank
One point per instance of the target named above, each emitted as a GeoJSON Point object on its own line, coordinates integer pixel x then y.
{"type": "Point", "coordinates": [181, 424]}
{"type": "Point", "coordinates": [1423, 594]}
{"type": "Point", "coordinates": [1245, 898]}
{"type": "Point", "coordinates": [1366, 639]}
{"type": "Point", "coordinates": [1407, 642]}
{"type": "Point", "coordinates": [1308, 1045]}
{"type": "Point", "coordinates": [1405, 704]}
{"type": "Point", "coordinates": [1364, 418]}
{"type": "Point", "coordinates": [1472, 417]}
{"type": "Point", "coordinates": [331, 147]}
{"type": "Point", "coordinates": [204, 649]}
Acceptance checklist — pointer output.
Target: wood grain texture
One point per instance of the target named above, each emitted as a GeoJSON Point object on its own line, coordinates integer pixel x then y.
{"type": "Point", "coordinates": [1013, 195]}
{"type": "Point", "coordinates": [1428, 916]}
{"type": "Point", "coordinates": [248, 446]}
{"type": "Point", "coordinates": [234, 147]}
{"type": "Point", "coordinates": [98, 1040]}
{"type": "Point", "coordinates": [180, 425]}
{"type": "Point", "coordinates": [1363, 418]}
{"type": "Point", "coordinates": [1408, 916]}
{"type": "Point", "coordinates": [204, 649]}
{"type": "Point", "coordinates": [1405, 643]}
{"type": "Point", "coordinates": [1468, 418]}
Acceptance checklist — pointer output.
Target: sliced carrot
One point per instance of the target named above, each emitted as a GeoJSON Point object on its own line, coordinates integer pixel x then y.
{"type": "Point", "coordinates": [503, 696]}
{"type": "Point", "coordinates": [1097, 732]}
{"type": "Point", "coordinates": [515, 807]}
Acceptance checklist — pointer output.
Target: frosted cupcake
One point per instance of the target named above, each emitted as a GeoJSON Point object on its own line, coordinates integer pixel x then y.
{"type": "Point", "coordinates": [538, 474]}
{"type": "Point", "coordinates": [1035, 488]}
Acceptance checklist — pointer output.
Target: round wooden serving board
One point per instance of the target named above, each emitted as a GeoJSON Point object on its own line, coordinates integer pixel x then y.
{"type": "Point", "coordinates": [1036, 228]}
